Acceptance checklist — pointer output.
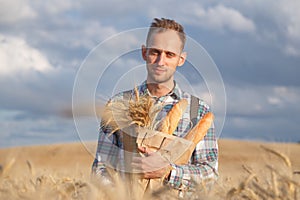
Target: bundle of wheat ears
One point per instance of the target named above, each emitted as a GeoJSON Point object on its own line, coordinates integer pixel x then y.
{"type": "Point", "coordinates": [142, 112]}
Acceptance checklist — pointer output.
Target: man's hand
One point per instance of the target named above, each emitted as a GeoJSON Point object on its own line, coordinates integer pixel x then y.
{"type": "Point", "coordinates": [151, 166]}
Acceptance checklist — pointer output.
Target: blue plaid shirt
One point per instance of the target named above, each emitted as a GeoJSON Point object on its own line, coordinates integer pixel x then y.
{"type": "Point", "coordinates": [203, 164]}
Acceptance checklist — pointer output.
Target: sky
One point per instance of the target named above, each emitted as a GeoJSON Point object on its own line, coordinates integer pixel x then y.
{"type": "Point", "coordinates": [251, 50]}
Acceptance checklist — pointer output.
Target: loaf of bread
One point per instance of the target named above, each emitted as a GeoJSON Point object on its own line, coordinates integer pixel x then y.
{"type": "Point", "coordinates": [170, 122]}
{"type": "Point", "coordinates": [195, 135]}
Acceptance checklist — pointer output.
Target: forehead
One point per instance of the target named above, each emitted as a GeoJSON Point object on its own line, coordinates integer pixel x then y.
{"type": "Point", "coordinates": [167, 40]}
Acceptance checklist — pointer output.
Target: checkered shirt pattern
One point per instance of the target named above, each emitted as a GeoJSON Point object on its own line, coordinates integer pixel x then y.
{"type": "Point", "coordinates": [203, 164]}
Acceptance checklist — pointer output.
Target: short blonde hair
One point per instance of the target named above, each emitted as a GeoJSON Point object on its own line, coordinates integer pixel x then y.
{"type": "Point", "coordinates": [167, 24]}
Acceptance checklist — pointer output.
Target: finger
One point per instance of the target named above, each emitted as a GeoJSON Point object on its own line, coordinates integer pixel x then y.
{"type": "Point", "coordinates": [142, 149]}
{"type": "Point", "coordinates": [145, 150]}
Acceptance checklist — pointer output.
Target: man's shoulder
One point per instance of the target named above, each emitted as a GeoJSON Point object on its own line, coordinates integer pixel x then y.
{"type": "Point", "coordinates": [201, 102]}
{"type": "Point", "coordinates": [122, 95]}
{"type": "Point", "coordinates": [194, 99]}
{"type": "Point", "coordinates": [127, 94]}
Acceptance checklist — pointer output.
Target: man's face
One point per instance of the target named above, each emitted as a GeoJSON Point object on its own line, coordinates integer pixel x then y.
{"type": "Point", "coordinates": [162, 55]}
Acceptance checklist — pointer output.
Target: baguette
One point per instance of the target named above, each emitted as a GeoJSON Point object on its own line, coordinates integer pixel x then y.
{"type": "Point", "coordinates": [199, 131]}
{"type": "Point", "coordinates": [169, 124]}
{"type": "Point", "coordinates": [196, 135]}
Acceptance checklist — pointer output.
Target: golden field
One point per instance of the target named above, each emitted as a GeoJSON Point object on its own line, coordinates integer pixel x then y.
{"type": "Point", "coordinates": [248, 170]}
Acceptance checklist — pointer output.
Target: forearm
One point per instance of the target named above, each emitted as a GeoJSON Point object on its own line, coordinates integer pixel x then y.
{"type": "Point", "coordinates": [107, 155]}
{"type": "Point", "coordinates": [203, 165]}
{"type": "Point", "coordinates": [100, 173]}
{"type": "Point", "coordinates": [184, 176]}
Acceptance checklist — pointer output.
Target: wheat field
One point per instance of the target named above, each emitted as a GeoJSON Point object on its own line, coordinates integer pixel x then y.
{"type": "Point", "coordinates": [247, 170]}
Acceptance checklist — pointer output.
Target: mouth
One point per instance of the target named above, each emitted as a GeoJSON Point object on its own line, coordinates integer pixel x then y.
{"type": "Point", "coordinates": [159, 70]}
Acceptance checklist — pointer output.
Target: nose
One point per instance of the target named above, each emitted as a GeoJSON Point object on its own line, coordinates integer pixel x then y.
{"type": "Point", "coordinates": [161, 59]}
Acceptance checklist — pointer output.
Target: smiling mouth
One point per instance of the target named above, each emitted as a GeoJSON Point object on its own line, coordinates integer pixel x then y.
{"type": "Point", "coordinates": [159, 70]}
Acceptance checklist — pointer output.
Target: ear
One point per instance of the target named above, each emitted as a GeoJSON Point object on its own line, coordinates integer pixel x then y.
{"type": "Point", "coordinates": [182, 58]}
{"type": "Point", "coordinates": [144, 52]}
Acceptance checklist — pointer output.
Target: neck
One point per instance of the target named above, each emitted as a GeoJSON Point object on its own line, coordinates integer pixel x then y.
{"type": "Point", "coordinates": [159, 90]}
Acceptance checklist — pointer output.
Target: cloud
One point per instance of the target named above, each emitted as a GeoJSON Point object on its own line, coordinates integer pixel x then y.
{"type": "Point", "coordinates": [16, 57]}
{"type": "Point", "coordinates": [31, 131]}
{"type": "Point", "coordinates": [291, 25]}
{"type": "Point", "coordinates": [292, 50]}
{"type": "Point", "coordinates": [276, 22]}
{"type": "Point", "coordinates": [262, 113]}
{"type": "Point", "coordinates": [55, 7]}
{"type": "Point", "coordinates": [286, 96]}
{"type": "Point", "coordinates": [221, 17]}
{"type": "Point", "coordinates": [263, 101]}
{"type": "Point", "coordinates": [16, 11]}
{"type": "Point", "coordinates": [28, 81]}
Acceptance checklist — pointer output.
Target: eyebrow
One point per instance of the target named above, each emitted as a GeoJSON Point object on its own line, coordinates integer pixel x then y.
{"type": "Point", "coordinates": [162, 50]}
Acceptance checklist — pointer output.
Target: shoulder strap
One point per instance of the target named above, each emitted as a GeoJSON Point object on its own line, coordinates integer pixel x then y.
{"type": "Point", "coordinates": [194, 108]}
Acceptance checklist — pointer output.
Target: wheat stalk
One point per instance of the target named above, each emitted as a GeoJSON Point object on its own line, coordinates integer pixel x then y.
{"type": "Point", "coordinates": [275, 183]}
{"type": "Point", "coordinates": [286, 160]}
{"type": "Point", "coordinates": [31, 169]}
{"type": "Point", "coordinates": [8, 167]}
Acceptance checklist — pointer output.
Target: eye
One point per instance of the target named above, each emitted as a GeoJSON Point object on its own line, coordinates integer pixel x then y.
{"type": "Point", "coordinates": [170, 54]}
{"type": "Point", "coordinates": [154, 52]}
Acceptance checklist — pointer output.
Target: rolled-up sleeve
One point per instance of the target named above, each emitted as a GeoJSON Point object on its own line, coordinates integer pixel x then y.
{"type": "Point", "coordinates": [202, 167]}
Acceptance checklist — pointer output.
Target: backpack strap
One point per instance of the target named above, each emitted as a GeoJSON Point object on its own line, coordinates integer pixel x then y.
{"type": "Point", "coordinates": [194, 108]}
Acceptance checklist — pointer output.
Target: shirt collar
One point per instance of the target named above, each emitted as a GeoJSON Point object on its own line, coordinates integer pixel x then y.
{"type": "Point", "coordinates": [175, 93]}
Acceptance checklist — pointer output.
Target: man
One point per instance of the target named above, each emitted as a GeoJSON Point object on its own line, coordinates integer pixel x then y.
{"type": "Point", "coordinates": [163, 53]}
